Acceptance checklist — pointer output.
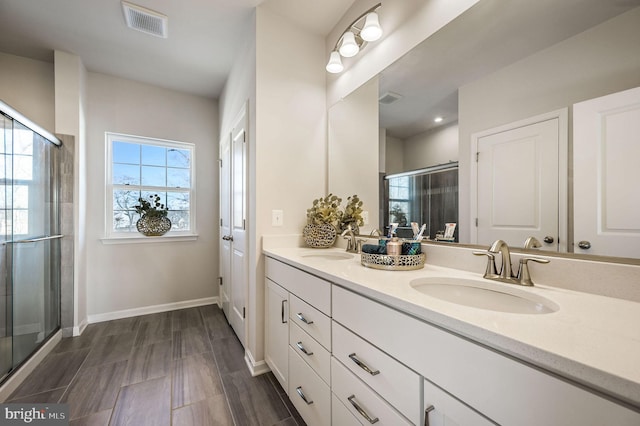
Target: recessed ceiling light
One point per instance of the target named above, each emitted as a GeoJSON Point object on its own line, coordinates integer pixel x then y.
{"type": "Point", "coordinates": [438, 119]}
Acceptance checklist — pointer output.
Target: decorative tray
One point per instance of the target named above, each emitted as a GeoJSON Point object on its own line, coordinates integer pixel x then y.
{"type": "Point", "coordinates": [405, 262]}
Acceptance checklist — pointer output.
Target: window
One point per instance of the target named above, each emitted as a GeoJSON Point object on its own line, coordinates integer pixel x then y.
{"type": "Point", "coordinates": [399, 200]}
{"type": "Point", "coordinates": [140, 167]}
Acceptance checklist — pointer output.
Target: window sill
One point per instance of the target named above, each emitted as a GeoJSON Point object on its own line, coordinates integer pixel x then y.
{"type": "Point", "coordinates": [138, 239]}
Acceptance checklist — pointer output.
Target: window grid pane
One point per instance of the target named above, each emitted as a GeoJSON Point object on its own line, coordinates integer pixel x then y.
{"type": "Point", "coordinates": [144, 170]}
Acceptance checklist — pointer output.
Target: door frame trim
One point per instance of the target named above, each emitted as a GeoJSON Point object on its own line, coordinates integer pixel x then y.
{"type": "Point", "coordinates": [563, 171]}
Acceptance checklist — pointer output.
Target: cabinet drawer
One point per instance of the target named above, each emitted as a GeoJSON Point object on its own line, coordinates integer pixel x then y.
{"type": "Point", "coordinates": [304, 383]}
{"type": "Point", "coordinates": [309, 288]}
{"type": "Point", "coordinates": [316, 356]}
{"type": "Point", "coordinates": [340, 415]}
{"type": "Point", "coordinates": [393, 381]}
{"type": "Point", "coordinates": [483, 379]}
{"type": "Point", "coordinates": [352, 392]}
{"type": "Point", "coordinates": [311, 320]}
{"type": "Point", "coordinates": [447, 410]}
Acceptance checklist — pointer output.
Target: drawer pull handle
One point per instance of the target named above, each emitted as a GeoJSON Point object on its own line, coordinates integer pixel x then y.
{"type": "Point", "coordinates": [362, 365]}
{"type": "Point", "coordinates": [304, 398]}
{"type": "Point", "coordinates": [360, 410]}
{"type": "Point", "coordinates": [303, 349]}
{"type": "Point", "coordinates": [426, 414]}
{"type": "Point", "coordinates": [303, 319]}
{"type": "Point", "coordinates": [284, 321]}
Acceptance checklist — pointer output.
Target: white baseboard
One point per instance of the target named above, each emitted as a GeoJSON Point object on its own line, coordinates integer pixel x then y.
{"type": "Point", "coordinates": [255, 368]}
{"type": "Point", "coordinates": [78, 329]}
{"type": "Point", "coordinates": [27, 368]}
{"type": "Point", "coordinates": [126, 313]}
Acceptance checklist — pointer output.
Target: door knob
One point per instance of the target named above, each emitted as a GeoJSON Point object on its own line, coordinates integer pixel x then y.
{"type": "Point", "coordinates": [584, 245]}
{"type": "Point", "coordinates": [548, 239]}
{"type": "Point", "coordinates": [227, 237]}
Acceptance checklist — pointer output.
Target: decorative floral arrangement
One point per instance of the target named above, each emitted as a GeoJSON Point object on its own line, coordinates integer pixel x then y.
{"type": "Point", "coordinates": [352, 214]}
{"type": "Point", "coordinates": [325, 210]}
{"type": "Point", "coordinates": [151, 208]}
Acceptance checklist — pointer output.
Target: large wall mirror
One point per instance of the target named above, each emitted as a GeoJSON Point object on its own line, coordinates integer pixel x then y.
{"type": "Point", "coordinates": [501, 66]}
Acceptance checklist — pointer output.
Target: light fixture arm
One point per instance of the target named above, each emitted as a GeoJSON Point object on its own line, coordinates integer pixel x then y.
{"type": "Point", "coordinates": [355, 21]}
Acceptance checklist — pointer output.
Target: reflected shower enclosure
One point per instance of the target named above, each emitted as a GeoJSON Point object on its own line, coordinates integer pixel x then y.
{"type": "Point", "coordinates": [29, 240]}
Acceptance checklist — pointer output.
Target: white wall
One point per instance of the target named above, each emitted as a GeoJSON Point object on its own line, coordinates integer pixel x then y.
{"type": "Point", "coordinates": [128, 276]}
{"type": "Point", "coordinates": [290, 145]}
{"type": "Point", "coordinates": [28, 86]}
{"type": "Point", "coordinates": [353, 149]}
{"type": "Point", "coordinates": [431, 148]}
{"type": "Point", "coordinates": [602, 60]}
{"type": "Point", "coordinates": [394, 155]}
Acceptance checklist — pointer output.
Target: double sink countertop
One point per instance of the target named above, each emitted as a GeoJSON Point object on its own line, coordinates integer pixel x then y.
{"type": "Point", "coordinates": [591, 340]}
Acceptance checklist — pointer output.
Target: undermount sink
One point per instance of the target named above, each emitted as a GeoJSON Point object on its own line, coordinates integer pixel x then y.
{"type": "Point", "coordinates": [328, 255]}
{"type": "Point", "coordinates": [484, 294]}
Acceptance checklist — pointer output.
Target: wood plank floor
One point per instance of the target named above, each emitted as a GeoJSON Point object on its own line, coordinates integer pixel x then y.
{"type": "Point", "coordinates": [181, 368]}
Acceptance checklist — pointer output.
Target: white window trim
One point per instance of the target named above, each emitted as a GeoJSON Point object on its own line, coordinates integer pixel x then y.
{"type": "Point", "coordinates": [112, 237]}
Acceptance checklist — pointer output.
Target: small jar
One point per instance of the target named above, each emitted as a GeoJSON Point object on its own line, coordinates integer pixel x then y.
{"type": "Point", "coordinates": [394, 247]}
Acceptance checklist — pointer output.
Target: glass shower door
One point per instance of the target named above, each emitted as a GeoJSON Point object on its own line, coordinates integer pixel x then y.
{"type": "Point", "coordinates": [32, 244]}
{"type": "Point", "coordinates": [6, 351]}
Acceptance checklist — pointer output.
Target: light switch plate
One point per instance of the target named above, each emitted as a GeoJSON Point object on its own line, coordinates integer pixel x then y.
{"type": "Point", "coordinates": [277, 217]}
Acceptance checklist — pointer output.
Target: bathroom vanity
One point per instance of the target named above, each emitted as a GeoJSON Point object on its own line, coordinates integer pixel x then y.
{"type": "Point", "coordinates": [353, 345]}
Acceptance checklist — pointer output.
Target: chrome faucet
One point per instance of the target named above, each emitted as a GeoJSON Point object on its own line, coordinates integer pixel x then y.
{"type": "Point", "coordinates": [522, 277]}
{"type": "Point", "coordinates": [350, 236]}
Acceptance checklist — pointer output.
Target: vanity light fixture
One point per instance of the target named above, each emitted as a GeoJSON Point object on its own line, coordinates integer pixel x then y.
{"type": "Point", "coordinates": [365, 28]}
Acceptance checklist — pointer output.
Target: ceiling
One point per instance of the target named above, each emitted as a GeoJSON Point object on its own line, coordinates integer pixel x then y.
{"type": "Point", "coordinates": [490, 35]}
{"type": "Point", "coordinates": [204, 36]}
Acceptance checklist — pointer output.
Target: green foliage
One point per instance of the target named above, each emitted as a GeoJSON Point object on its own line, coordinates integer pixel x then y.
{"type": "Point", "coordinates": [325, 210]}
{"type": "Point", "coordinates": [151, 208]}
{"type": "Point", "coordinates": [352, 212]}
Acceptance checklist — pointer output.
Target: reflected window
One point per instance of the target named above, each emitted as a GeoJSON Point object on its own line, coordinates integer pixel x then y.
{"type": "Point", "coordinates": [142, 167]}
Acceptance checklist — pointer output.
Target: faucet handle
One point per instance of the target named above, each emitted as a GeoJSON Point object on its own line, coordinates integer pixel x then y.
{"type": "Point", "coordinates": [524, 277]}
{"type": "Point", "coordinates": [491, 262]}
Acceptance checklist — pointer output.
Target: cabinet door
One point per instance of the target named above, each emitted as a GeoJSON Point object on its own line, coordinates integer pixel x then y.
{"type": "Point", "coordinates": [441, 409]}
{"type": "Point", "coordinates": [277, 331]}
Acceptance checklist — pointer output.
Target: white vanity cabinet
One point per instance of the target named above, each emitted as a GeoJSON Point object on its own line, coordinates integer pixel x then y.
{"type": "Point", "coordinates": [496, 387]}
{"type": "Point", "coordinates": [298, 338]}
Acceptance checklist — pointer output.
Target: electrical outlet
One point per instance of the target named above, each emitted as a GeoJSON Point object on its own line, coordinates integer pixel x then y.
{"type": "Point", "coordinates": [365, 217]}
{"type": "Point", "coordinates": [277, 217]}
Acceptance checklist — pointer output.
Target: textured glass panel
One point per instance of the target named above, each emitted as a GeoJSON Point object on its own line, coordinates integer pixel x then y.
{"type": "Point", "coordinates": [22, 141]}
{"type": "Point", "coordinates": [154, 176]}
{"type": "Point", "coordinates": [125, 220]}
{"type": "Point", "coordinates": [125, 199]}
{"type": "Point", "coordinates": [3, 169]}
{"type": "Point", "coordinates": [179, 220]}
{"type": "Point", "coordinates": [178, 178]}
{"type": "Point", "coordinates": [178, 158]}
{"type": "Point", "coordinates": [4, 232]}
{"type": "Point", "coordinates": [20, 222]}
{"type": "Point", "coordinates": [21, 196]}
{"type": "Point", "coordinates": [178, 200]}
{"type": "Point", "coordinates": [154, 155]}
{"type": "Point", "coordinates": [22, 167]}
{"type": "Point", "coordinates": [128, 153]}
{"type": "Point", "coordinates": [126, 174]}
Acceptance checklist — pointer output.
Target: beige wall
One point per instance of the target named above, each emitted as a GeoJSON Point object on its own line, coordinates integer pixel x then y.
{"type": "Point", "coordinates": [431, 148]}
{"type": "Point", "coordinates": [394, 155]}
{"type": "Point", "coordinates": [602, 60]}
{"type": "Point", "coordinates": [28, 86]}
{"type": "Point", "coordinates": [129, 276]}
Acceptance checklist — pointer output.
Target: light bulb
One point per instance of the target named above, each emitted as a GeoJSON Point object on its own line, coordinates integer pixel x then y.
{"type": "Point", "coordinates": [349, 47]}
{"type": "Point", "coordinates": [335, 63]}
{"type": "Point", "coordinates": [371, 30]}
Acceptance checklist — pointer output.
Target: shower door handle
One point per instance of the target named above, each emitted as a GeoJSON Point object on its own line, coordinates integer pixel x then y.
{"type": "Point", "coordinates": [35, 240]}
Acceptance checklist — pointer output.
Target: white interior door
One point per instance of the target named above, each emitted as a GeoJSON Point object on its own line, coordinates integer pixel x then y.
{"type": "Point", "coordinates": [239, 274]}
{"type": "Point", "coordinates": [225, 224]}
{"type": "Point", "coordinates": [517, 185]}
{"type": "Point", "coordinates": [606, 148]}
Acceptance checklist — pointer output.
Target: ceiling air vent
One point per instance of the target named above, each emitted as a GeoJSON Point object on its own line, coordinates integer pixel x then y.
{"type": "Point", "coordinates": [145, 20]}
{"type": "Point", "coordinates": [389, 98]}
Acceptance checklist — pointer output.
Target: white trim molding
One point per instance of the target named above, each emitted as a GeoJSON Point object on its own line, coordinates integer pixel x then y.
{"type": "Point", "coordinates": [145, 310]}
{"type": "Point", "coordinates": [255, 368]}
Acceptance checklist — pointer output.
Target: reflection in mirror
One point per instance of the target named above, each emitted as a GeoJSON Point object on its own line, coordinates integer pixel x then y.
{"type": "Point", "coordinates": [535, 58]}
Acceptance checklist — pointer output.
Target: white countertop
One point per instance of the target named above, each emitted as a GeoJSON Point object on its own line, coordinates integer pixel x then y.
{"type": "Point", "coordinates": [593, 340]}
